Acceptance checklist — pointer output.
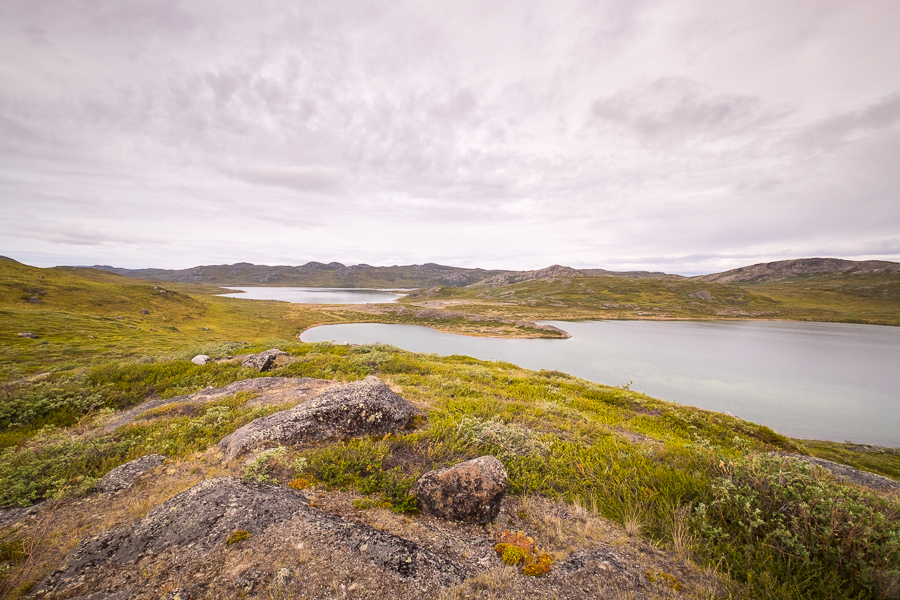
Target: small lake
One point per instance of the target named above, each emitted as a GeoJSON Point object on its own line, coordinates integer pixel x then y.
{"type": "Point", "coordinates": [309, 295]}
{"type": "Point", "coordinates": [830, 381]}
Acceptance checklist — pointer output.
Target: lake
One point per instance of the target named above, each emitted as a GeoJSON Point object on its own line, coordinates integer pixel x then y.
{"type": "Point", "coordinates": [309, 295]}
{"type": "Point", "coordinates": [831, 381]}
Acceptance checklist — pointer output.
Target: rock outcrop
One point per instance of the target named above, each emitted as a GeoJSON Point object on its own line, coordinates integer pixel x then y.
{"type": "Point", "coordinates": [263, 361]}
{"type": "Point", "coordinates": [470, 491]}
{"type": "Point", "coordinates": [124, 476]}
{"type": "Point", "coordinates": [358, 409]}
{"type": "Point", "coordinates": [198, 521]}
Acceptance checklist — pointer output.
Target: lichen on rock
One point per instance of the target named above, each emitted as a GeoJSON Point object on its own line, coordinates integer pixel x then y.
{"type": "Point", "coordinates": [470, 491]}
{"type": "Point", "coordinates": [124, 476]}
{"type": "Point", "coordinates": [358, 409]}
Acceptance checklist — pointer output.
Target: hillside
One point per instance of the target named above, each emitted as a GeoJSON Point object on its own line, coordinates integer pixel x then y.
{"type": "Point", "coordinates": [628, 496]}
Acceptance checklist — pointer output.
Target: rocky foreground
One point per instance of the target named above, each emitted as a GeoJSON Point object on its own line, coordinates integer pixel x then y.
{"type": "Point", "coordinates": [230, 537]}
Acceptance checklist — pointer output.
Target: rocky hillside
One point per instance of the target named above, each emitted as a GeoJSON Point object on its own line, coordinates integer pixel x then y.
{"type": "Point", "coordinates": [784, 269]}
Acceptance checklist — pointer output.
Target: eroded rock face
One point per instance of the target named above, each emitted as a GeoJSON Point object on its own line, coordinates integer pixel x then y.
{"type": "Point", "coordinates": [263, 361]}
{"type": "Point", "coordinates": [198, 519]}
{"type": "Point", "coordinates": [470, 491]}
{"type": "Point", "coordinates": [200, 359]}
{"type": "Point", "coordinates": [124, 476]}
{"type": "Point", "coordinates": [195, 525]}
{"type": "Point", "coordinates": [358, 409]}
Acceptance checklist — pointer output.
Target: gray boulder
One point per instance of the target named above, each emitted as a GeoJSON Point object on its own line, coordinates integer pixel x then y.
{"type": "Point", "coordinates": [263, 361]}
{"type": "Point", "coordinates": [470, 491]}
{"type": "Point", "coordinates": [144, 311]}
{"type": "Point", "coordinates": [200, 359]}
{"type": "Point", "coordinates": [124, 476]}
{"type": "Point", "coordinates": [28, 334]}
{"type": "Point", "coordinates": [358, 409]}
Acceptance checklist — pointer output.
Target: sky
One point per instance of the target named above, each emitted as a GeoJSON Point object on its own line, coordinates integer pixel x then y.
{"type": "Point", "coordinates": [684, 136]}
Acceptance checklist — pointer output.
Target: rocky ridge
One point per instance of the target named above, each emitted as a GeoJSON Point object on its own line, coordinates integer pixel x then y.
{"type": "Point", "coordinates": [783, 269]}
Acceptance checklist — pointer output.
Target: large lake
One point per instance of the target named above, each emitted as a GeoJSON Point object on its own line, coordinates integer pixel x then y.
{"type": "Point", "coordinates": [308, 295]}
{"type": "Point", "coordinates": [808, 380]}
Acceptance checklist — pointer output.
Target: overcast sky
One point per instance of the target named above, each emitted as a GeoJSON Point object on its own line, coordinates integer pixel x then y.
{"type": "Point", "coordinates": [681, 135]}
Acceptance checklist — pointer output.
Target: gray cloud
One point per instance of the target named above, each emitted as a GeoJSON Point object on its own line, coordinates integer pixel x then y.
{"type": "Point", "coordinates": [611, 133]}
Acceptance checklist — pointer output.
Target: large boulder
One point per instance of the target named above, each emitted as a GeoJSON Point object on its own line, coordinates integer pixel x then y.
{"type": "Point", "coordinates": [263, 361]}
{"type": "Point", "coordinates": [200, 359]}
{"type": "Point", "coordinates": [124, 476]}
{"type": "Point", "coordinates": [358, 409]}
{"type": "Point", "coordinates": [470, 491]}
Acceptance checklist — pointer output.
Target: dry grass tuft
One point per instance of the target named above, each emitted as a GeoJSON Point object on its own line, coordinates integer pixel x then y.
{"type": "Point", "coordinates": [633, 521]}
{"type": "Point", "coordinates": [493, 581]}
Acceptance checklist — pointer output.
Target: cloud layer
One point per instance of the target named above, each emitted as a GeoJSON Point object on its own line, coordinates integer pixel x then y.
{"type": "Point", "coordinates": [680, 136]}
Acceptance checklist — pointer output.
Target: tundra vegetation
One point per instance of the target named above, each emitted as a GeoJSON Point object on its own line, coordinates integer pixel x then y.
{"type": "Point", "coordinates": [710, 488]}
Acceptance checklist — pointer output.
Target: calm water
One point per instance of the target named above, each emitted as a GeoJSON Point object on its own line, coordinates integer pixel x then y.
{"type": "Point", "coordinates": [809, 380]}
{"type": "Point", "coordinates": [307, 295]}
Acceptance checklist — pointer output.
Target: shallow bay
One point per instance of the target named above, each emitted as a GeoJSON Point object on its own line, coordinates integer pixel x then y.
{"type": "Point", "coordinates": [830, 381]}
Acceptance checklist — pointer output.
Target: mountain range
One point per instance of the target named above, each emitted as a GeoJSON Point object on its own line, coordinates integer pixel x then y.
{"type": "Point", "coordinates": [316, 274]}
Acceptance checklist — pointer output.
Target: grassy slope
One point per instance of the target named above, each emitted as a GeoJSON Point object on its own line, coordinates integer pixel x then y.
{"type": "Point", "coordinates": [631, 456]}
{"type": "Point", "coordinates": [692, 479]}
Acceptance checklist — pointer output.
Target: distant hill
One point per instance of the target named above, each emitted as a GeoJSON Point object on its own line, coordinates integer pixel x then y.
{"type": "Point", "coordinates": [784, 269]}
{"type": "Point", "coordinates": [551, 274]}
{"type": "Point", "coordinates": [316, 274]}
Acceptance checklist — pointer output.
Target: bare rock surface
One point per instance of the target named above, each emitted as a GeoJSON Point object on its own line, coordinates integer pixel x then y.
{"type": "Point", "coordinates": [11, 515]}
{"type": "Point", "coordinates": [847, 473]}
{"type": "Point", "coordinates": [123, 476]}
{"type": "Point", "coordinates": [362, 408]}
{"type": "Point", "coordinates": [470, 491]}
{"type": "Point", "coordinates": [262, 361]}
{"type": "Point", "coordinates": [200, 520]}
{"type": "Point", "coordinates": [270, 390]}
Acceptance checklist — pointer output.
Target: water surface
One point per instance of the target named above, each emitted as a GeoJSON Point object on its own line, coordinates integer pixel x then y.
{"type": "Point", "coordinates": [310, 295]}
{"type": "Point", "coordinates": [831, 381]}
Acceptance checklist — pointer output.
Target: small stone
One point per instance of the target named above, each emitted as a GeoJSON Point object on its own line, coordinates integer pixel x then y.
{"type": "Point", "coordinates": [28, 334]}
{"type": "Point", "coordinates": [144, 311]}
{"type": "Point", "coordinates": [470, 491]}
{"type": "Point", "coordinates": [200, 359]}
{"type": "Point", "coordinates": [264, 360]}
{"type": "Point", "coordinates": [34, 300]}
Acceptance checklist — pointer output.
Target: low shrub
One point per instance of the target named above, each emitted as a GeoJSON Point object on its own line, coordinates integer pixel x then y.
{"type": "Point", "coordinates": [806, 530]}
